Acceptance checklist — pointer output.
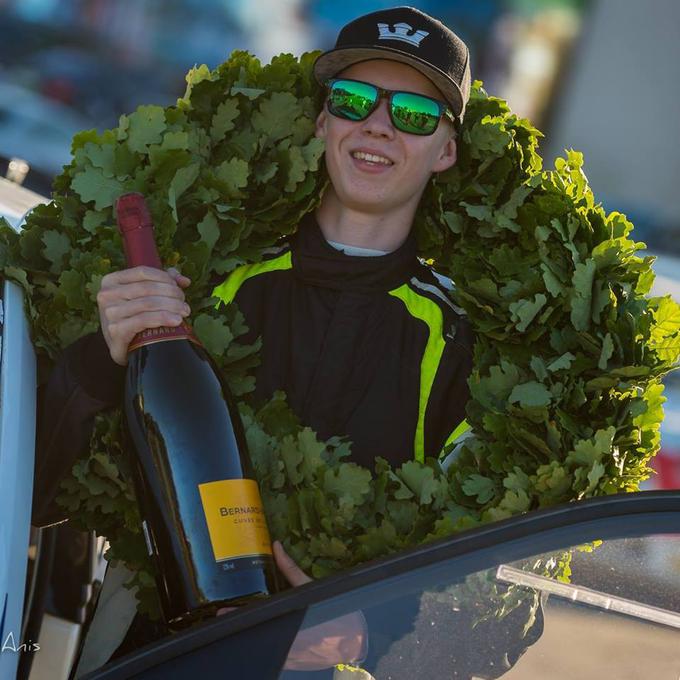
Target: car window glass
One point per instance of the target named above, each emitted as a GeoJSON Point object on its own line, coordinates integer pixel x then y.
{"type": "Point", "coordinates": [603, 609]}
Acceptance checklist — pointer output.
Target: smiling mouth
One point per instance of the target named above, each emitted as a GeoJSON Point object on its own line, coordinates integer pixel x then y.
{"type": "Point", "coordinates": [373, 159]}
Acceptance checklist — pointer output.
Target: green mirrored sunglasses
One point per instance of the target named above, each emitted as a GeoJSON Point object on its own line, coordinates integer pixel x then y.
{"type": "Point", "coordinates": [410, 112]}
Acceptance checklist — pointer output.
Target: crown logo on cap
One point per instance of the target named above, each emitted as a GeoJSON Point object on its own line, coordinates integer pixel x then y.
{"type": "Point", "coordinates": [401, 31]}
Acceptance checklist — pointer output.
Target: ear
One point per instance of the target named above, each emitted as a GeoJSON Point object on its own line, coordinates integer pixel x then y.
{"type": "Point", "coordinates": [321, 120]}
{"type": "Point", "coordinates": [447, 155]}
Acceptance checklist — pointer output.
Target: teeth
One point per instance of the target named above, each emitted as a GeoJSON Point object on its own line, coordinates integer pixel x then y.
{"type": "Point", "coordinates": [371, 157]}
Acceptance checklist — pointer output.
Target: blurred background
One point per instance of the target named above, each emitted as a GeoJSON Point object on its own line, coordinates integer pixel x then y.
{"type": "Point", "coordinates": [600, 76]}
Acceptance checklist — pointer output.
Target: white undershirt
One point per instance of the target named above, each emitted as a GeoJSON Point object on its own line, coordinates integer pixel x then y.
{"type": "Point", "coordinates": [356, 250]}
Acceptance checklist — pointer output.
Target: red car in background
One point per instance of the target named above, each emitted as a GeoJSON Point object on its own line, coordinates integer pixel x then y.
{"type": "Point", "coordinates": [667, 462]}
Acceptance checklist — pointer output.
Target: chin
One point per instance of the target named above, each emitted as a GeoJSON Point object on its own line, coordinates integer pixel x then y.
{"type": "Point", "coordinates": [365, 202]}
{"type": "Point", "coordinates": [367, 193]}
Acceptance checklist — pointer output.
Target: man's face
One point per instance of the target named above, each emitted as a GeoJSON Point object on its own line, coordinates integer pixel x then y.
{"type": "Point", "coordinates": [377, 187]}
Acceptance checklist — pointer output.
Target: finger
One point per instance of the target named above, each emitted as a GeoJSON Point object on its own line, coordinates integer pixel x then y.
{"type": "Point", "coordinates": [125, 329]}
{"type": "Point", "coordinates": [139, 289]}
{"type": "Point", "coordinates": [152, 303]}
{"type": "Point", "coordinates": [141, 273]}
{"type": "Point", "coordinates": [293, 573]}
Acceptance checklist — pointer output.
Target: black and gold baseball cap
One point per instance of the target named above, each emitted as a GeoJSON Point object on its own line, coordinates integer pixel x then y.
{"type": "Point", "coordinates": [408, 35]}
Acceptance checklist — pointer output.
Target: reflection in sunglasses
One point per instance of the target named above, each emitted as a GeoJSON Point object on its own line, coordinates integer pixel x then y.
{"type": "Point", "coordinates": [410, 112]}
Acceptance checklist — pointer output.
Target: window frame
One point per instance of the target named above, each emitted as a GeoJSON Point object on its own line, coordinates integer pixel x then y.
{"type": "Point", "coordinates": [552, 528]}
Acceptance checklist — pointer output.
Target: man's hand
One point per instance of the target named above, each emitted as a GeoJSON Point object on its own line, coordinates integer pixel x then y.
{"type": "Point", "coordinates": [341, 640]}
{"type": "Point", "coordinates": [135, 299]}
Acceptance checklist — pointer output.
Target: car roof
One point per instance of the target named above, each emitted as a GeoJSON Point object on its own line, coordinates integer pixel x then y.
{"type": "Point", "coordinates": [16, 201]}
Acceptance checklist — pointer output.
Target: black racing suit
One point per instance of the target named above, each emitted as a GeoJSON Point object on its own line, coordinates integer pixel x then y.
{"type": "Point", "coordinates": [368, 347]}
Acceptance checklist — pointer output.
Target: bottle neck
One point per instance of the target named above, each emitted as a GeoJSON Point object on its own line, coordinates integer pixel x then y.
{"type": "Point", "coordinates": [136, 229]}
{"type": "Point", "coordinates": [140, 247]}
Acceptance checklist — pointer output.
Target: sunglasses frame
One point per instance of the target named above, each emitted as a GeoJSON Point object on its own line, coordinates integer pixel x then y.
{"type": "Point", "coordinates": [444, 109]}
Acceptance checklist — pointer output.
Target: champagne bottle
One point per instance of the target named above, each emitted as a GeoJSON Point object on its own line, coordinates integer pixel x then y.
{"type": "Point", "coordinates": [203, 519]}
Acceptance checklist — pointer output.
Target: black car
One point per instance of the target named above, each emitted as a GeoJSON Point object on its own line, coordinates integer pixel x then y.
{"type": "Point", "coordinates": [586, 590]}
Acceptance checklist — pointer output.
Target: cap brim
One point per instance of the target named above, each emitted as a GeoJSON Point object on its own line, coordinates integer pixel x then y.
{"type": "Point", "coordinates": [330, 63]}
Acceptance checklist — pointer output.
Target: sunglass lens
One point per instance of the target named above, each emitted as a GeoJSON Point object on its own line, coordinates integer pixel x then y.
{"type": "Point", "coordinates": [415, 114]}
{"type": "Point", "coordinates": [351, 100]}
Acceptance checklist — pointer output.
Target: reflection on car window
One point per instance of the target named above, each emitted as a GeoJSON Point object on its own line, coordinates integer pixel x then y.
{"type": "Point", "coordinates": [621, 618]}
{"type": "Point", "coordinates": [603, 610]}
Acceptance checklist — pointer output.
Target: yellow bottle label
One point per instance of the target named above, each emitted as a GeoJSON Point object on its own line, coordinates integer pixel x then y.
{"type": "Point", "coordinates": [235, 517]}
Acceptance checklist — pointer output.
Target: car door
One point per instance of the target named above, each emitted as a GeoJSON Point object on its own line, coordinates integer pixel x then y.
{"type": "Point", "coordinates": [586, 590]}
{"type": "Point", "coordinates": [17, 441]}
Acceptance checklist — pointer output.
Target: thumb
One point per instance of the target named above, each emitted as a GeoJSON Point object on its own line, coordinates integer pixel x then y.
{"type": "Point", "coordinates": [293, 573]}
{"type": "Point", "coordinates": [180, 279]}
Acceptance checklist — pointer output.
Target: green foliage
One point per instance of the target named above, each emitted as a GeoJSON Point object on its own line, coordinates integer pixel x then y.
{"type": "Point", "coordinates": [565, 394]}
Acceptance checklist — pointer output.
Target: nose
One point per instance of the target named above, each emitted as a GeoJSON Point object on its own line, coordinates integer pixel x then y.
{"type": "Point", "coordinates": [379, 122]}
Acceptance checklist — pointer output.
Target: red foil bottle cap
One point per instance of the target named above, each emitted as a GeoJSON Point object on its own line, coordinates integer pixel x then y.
{"type": "Point", "coordinates": [132, 212]}
{"type": "Point", "coordinates": [136, 229]}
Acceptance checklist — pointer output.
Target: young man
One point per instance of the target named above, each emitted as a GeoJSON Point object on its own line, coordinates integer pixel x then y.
{"type": "Point", "coordinates": [356, 330]}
